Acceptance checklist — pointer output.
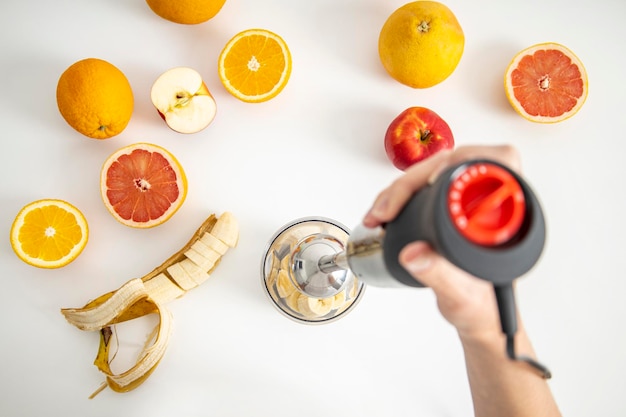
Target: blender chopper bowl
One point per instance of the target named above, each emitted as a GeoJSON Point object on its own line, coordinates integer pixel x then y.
{"type": "Point", "coordinates": [305, 274]}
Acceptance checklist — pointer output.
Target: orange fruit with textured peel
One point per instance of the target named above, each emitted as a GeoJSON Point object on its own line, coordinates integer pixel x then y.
{"type": "Point", "coordinates": [546, 83]}
{"type": "Point", "coordinates": [95, 98]}
{"type": "Point", "coordinates": [421, 43]}
{"type": "Point", "coordinates": [255, 65]}
{"type": "Point", "coordinates": [49, 233]}
{"type": "Point", "coordinates": [188, 12]}
{"type": "Point", "coordinates": [142, 185]}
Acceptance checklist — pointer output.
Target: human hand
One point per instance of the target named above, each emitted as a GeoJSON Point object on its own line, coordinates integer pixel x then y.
{"type": "Point", "coordinates": [467, 302]}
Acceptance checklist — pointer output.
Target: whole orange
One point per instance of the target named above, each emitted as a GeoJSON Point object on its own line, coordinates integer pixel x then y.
{"type": "Point", "coordinates": [95, 98]}
{"type": "Point", "coordinates": [421, 43]}
{"type": "Point", "coordinates": [188, 12]}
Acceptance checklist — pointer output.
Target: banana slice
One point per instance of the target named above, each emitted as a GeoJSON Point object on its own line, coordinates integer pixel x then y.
{"type": "Point", "coordinates": [272, 276]}
{"type": "Point", "coordinates": [197, 274]}
{"type": "Point", "coordinates": [353, 291]}
{"type": "Point", "coordinates": [226, 229]}
{"type": "Point", "coordinates": [315, 307]}
{"type": "Point", "coordinates": [205, 257]}
{"type": "Point", "coordinates": [339, 300]}
{"type": "Point", "coordinates": [285, 263]}
{"type": "Point", "coordinates": [162, 290]}
{"type": "Point", "coordinates": [284, 286]}
{"type": "Point", "coordinates": [214, 243]}
{"type": "Point", "coordinates": [181, 277]}
{"type": "Point", "coordinates": [200, 260]}
{"type": "Point", "coordinates": [196, 257]}
{"type": "Point", "coordinates": [292, 301]}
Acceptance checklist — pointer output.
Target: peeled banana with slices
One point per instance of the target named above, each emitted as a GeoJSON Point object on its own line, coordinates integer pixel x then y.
{"type": "Point", "coordinates": [183, 271]}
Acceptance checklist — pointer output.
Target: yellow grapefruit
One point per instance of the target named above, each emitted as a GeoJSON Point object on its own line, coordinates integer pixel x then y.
{"type": "Point", "coordinates": [421, 44]}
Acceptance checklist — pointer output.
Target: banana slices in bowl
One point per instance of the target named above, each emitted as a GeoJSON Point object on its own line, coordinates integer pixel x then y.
{"type": "Point", "coordinates": [281, 285]}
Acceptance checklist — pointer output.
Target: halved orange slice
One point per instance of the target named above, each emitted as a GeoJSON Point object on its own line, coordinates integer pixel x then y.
{"type": "Point", "coordinates": [255, 65]}
{"type": "Point", "coordinates": [142, 185]}
{"type": "Point", "coordinates": [49, 233]}
{"type": "Point", "coordinates": [546, 83]}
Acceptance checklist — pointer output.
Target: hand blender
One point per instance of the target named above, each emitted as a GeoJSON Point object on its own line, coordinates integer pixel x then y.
{"type": "Point", "coordinates": [480, 215]}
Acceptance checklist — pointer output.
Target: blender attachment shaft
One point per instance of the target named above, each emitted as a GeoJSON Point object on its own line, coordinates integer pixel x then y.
{"type": "Point", "coordinates": [335, 262]}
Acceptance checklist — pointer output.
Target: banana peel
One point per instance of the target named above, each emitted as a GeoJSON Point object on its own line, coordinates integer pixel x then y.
{"type": "Point", "coordinates": [138, 297]}
{"type": "Point", "coordinates": [147, 362]}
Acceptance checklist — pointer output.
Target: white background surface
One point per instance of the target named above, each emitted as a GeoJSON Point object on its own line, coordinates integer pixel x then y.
{"type": "Point", "coordinates": [316, 149]}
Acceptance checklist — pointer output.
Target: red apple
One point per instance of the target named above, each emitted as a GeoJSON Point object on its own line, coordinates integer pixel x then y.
{"type": "Point", "coordinates": [416, 134]}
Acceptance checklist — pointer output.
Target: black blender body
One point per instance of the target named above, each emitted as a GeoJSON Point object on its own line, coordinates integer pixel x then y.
{"type": "Point", "coordinates": [426, 217]}
{"type": "Point", "coordinates": [506, 241]}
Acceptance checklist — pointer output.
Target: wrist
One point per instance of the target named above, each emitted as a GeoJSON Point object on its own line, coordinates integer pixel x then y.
{"type": "Point", "coordinates": [492, 341]}
{"type": "Point", "coordinates": [499, 383]}
{"type": "Point", "coordinates": [489, 333]}
{"type": "Point", "coordinates": [493, 346]}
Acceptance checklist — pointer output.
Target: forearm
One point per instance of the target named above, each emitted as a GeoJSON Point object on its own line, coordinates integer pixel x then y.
{"type": "Point", "coordinates": [501, 386]}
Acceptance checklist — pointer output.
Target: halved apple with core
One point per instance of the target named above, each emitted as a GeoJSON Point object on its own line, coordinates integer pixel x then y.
{"type": "Point", "coordinates": [183, 100]}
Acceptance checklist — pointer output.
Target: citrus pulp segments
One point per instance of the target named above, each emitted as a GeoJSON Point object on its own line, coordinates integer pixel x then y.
{"type": "Point", "coordinates": [546, 64]}
{"type": "Point", "coordinates": [142, 185]}
{"type": "Point", "coordinates": [250, 58]}
{"type": "Point", "coordinates": [39, 223]}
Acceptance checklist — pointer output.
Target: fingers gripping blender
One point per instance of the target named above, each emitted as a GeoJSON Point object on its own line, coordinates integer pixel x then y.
{"type": "Point", "coordinates": [480, 215]}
